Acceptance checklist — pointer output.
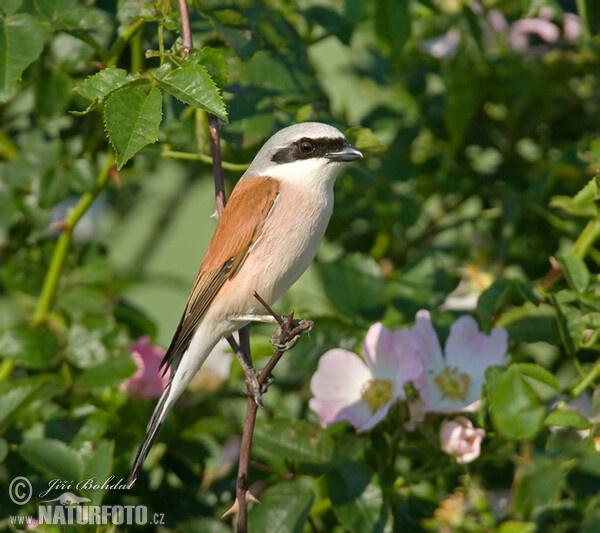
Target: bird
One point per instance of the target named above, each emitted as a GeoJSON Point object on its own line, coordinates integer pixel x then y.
{"type": "Point", "coordinates": [266, 237]}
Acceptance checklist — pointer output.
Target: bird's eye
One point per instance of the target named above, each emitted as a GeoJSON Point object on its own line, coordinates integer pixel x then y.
{"type": "Point", "coordinates": [306, 147]}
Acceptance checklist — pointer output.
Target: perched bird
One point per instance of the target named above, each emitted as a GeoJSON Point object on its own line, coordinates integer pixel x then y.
{"type": "Point", "coordinates": [266, 237]}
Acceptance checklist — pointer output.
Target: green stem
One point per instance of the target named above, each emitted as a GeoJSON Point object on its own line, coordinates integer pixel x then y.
{"type": "Point", "coordinates": [587, 380]}
{"type": "Point", "coordinates": [188, 156]}
{"type": "Point", "coordinates": [121, 42]}
{"type": "Point", "coordinates": [7, 149]}
{"type": "Point", "coordinates": [137, 58]}
{"type": "Point", "coordinates": [161, 44]}
{"type": "Point", "coordinates": [587, 238]}
{"type": "Point", "coordinates": [59, 256]}
{"type": "Point", "coordinates": [583, 17]}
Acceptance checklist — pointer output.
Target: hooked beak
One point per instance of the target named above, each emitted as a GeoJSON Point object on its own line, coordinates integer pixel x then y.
{"type": "Point", "coordinates": [347, 153]}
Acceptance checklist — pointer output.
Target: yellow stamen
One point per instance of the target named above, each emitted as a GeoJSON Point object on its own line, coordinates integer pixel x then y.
{"type": "Point", "coordinates": [376, 393]}
{"type": "Point", "coordinates": [452, 384]}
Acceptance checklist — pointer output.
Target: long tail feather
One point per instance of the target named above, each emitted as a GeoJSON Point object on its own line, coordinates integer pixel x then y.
{"type": "Point", "coordinates": [154, 426]}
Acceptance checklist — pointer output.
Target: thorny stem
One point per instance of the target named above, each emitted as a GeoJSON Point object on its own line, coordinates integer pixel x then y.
{"type": "Point", "coordinates": [61, 250]}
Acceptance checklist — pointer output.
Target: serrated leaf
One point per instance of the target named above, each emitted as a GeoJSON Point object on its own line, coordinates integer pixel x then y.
{"type": "Point", "coordinates": [299, 440]}
{"type": "Point", "coordinates": [357, 501]}
{"type": "Point", "coordinates": [54, 457]}
{"type": "Point", "coordinates": [132, 118]}
{"type": "Point", "coordinates": [517, 413]}
{"type": "Point", "coordinates": [576, 271]}
{"type": "Point", "coordinates": [567, 418]}
{"type": "Point", "coordinates": [111, 372]}
{"type": "Point", "coordinates": [214, 63]}
{"type": "Point", "coordinates": [284, 508]}
{"type": "Point", "coordinates": [102, 84]}
{"type": "Point", "coordinates": [97, 86]}
{"type": "Point", "coordinates": [98, 467]}
{"type": "Point", "coordinates": [192, 84]}
{"type": "Point", "coordinates": [21, 42]}
{"type": "Point", "coordinates": [16, 395]}
{"type": "Point", "coordinates": [33, 348]}
{"type": "Point", "coordinates": [538, 373]}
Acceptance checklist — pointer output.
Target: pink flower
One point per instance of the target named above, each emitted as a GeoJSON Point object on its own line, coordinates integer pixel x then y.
{"type": "Point", "coordinates": [452, 382]}
{"type": "Point", "coordinates": [461, 440]}
{"type": "Point", "coordinates": [32, 523]}
{"type": "Point", "coordinates": [147, 381]}
{"type": "Point", "coordinates": [518, 38]}
{"type": "Point", "coordinates": [572, 28]}
{"type": "Point", "coordinates": [346, 387]}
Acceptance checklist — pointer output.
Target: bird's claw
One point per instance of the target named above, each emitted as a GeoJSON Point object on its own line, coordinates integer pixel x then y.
{"type": "Point", "coordinates": [288, 335]}
{"type": "Point", "coordinates": [255, 389]}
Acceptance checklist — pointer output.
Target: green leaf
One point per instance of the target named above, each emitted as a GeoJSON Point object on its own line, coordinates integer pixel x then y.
{"type": "Point", "coordinates": [517, 527]}
{"type": "Point", "coordinates": [294, 440]}
{"type": "Point", "coordinates": [132, 118]}
{"type": "Point", "coordinates": [111, 372]}
{"type": "Point", "coordinates": [531, 323]}
{"type": "Point", "coordinates": [21, 42]}
{"type": "Point", "coordinates": [16, 395]}
{"type": "Point", "coordinates": [81, 301]}
{"type": "Point", "coordinates": [570, 325]}
{"type": "Point", "coordinates": [92, 430]}
{"type": "Point", "coordinates": [104, 83]}
{"type": "Point", "coordinates": [538, 373]}
{"type": "Point", "coordinates": [10, 6]}
{"type": "Point", "coordinates": [3, 450]}
{"type": "Point", "coordinates": [392, 24]}
{"type": "Point", "coordinates": [585, 202]}
{"type": "Point", "coordinates": [214, 63]}
{"type": "Point", "coordinates": [357, 502]}
{"type": "Point", "coordinates": [494, 298]}
{"type": "Point", "coordinates": [53, 9]}
{"type": "Point", "coordinates": [284, 508]}
{"type": "Point", "coordinates": [98, 468]}
{"type": "Point", "coordinates": [192, 84]}
{"type": "Point", "coordinates": [517, 413]}
{"type": "Point", "coordinates": [576, 271]}
{"type": "Point", "coordinates": [567, 418]}
{"type": "Point", "coordinates": [54, 457]}
{"type": "Point", "coordinates": [33, 348]}
{"type": "Point", "coordinates": [355, 287]}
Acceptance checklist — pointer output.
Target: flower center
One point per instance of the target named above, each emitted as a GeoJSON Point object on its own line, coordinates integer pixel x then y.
{"type": "Point", "coordinates": [452, 384]}
{"type": "Point", "coordinates": [376, 393]}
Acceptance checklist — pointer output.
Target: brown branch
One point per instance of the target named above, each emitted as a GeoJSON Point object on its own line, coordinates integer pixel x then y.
{"type": "Point", "coordinates": [186, 30]}
{"type": "Point", "coordinates": [217, 163]}
{"type": "Point", "coordinates": [290, 330]}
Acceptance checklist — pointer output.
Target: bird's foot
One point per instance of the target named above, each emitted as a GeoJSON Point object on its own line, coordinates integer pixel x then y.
{"type": "Point", "coordinates": [288, 334]}
{"type": "Point", "coordinates": [255, 388]}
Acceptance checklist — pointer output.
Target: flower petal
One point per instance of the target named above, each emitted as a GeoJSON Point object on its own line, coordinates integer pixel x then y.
{"type": "Point", "coordinates": [340, 374]}
{"type": "Point", "coordinates": [472, 351]}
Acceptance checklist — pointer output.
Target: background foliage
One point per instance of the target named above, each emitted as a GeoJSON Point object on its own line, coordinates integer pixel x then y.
{"type": "Point", "coordinates": [476, 147]}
